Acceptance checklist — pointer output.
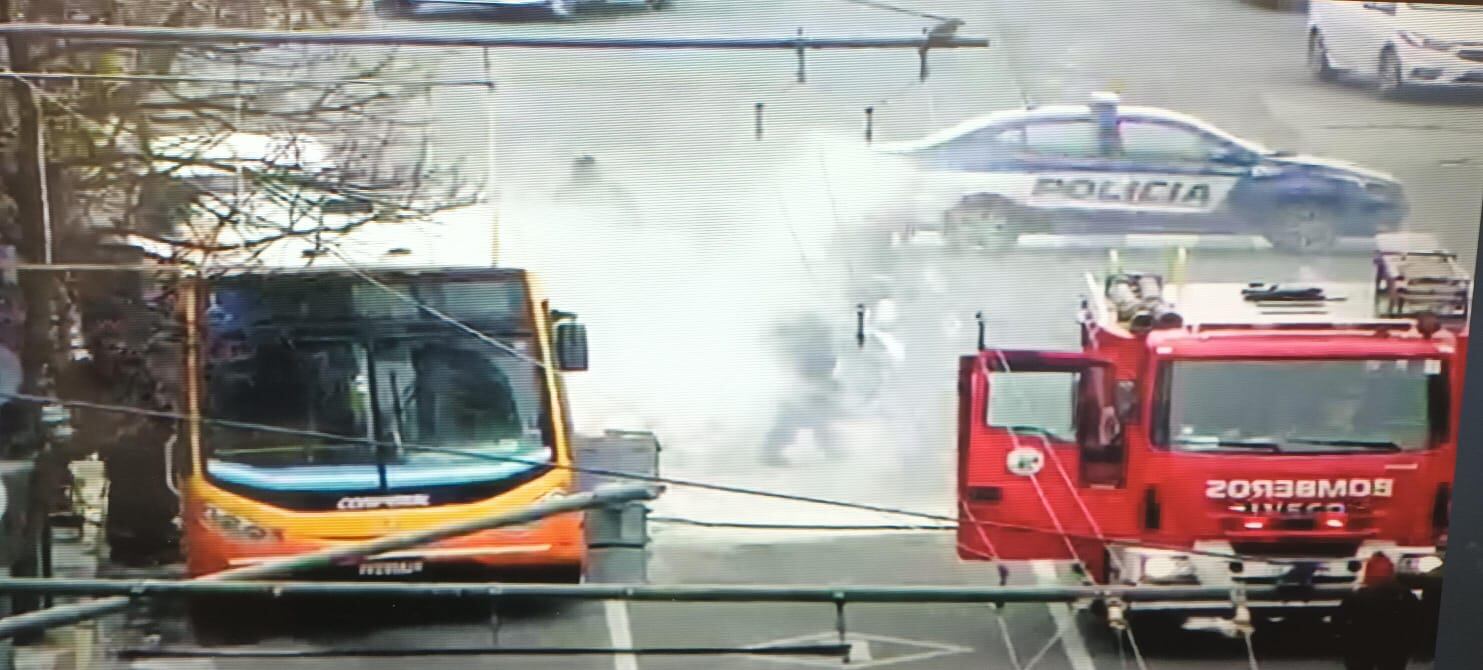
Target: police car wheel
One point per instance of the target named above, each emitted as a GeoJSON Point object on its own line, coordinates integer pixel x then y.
{"type": "Point", "coordinates": [1302, 228]}
{"type": "Point", "coordinates": [393, 9]}
{"type": "Point", "coordinates": [986, 224]}
{"type": "Point", "coordinates": [1391, 82]}
{"type": "Point", "coordinates": [1318, 58]}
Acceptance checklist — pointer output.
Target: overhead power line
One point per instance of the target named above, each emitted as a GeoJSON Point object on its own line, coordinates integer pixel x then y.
{"type": "Point", "coordinates": [187, 79]}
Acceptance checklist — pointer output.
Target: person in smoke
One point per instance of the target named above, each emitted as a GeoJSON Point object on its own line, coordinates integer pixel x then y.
{"type": "Point", "coordinates": [833, 380]}
{"type": "Point", "coordinates": [596, 196]}
{"type": "Point", "coordinates": [812, 353]}
{"type": "Point", "coordinates": [1378, 621]}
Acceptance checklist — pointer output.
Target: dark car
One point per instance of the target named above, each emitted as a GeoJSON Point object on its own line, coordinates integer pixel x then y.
{"type": "Point", "coordinates": [1104, 168]}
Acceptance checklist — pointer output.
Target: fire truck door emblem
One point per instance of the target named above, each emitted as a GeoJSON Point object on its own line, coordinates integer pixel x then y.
{"type": "Point", "coordinates": [1025, 461]}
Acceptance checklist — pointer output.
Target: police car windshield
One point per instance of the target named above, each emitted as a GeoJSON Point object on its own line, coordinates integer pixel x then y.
{"type": "Point", "coordinates": [1303, 407]}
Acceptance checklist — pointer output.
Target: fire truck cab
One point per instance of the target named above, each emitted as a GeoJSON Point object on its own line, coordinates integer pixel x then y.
{"type": "Point", "coordinates": [1224, 434]}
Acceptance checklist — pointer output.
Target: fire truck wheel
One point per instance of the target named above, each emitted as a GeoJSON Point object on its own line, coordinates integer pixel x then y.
{"type": "Point", "coordinates": [982, 222]}
{"type": "Point", "coordinates": [1154, 624]}
{"type": "Point", "coordinates": [1303, 227]}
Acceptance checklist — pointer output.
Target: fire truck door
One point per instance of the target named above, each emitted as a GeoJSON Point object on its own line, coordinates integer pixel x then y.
{"type": "Point", "coordinates": [1028, 423]}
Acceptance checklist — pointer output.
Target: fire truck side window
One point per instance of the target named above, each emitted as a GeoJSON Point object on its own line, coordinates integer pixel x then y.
{"type": "Point", "coordinates": [1033, 402]}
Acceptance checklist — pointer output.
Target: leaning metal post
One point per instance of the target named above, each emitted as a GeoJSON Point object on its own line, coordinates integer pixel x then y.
{"type": "Point", "coordinates": [70, 614]}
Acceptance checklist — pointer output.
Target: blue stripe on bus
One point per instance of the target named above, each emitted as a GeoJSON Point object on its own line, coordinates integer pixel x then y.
{"type": "Point", "coordinates": [365, 477]}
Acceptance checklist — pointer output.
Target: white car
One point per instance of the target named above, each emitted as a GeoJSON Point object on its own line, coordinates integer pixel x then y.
{"type": "Point", "coordinates": [1403, 45]}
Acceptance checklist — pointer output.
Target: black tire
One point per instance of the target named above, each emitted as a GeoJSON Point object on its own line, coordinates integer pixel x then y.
{"type": "Point", "coordinates": [1284, 5]}
{"type": "Point", "coordinates": [1318, 58]}
{"type": "Point", "coordinates": [1303, 228]}
{"type": "Point", "coordinates": [1150, 626]}
{"type": "Point", "coordinates": [394, 9]}
{"type": "Point", "coordinates": [216, 622]}
{"type": "Point", "coordinates": [561, 10]}
{"type": "Point", "coordinates": [989, 224]}
{"type": "Point", "coordinates": [1390, 81]}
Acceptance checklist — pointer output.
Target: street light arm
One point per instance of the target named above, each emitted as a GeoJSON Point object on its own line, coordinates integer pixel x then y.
{"type": "Point", "coordinates": [443, 39]}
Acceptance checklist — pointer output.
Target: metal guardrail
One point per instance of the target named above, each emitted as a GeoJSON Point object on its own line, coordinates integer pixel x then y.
{"type": "Point", "coordinates": [656, 592]}
{"type": "Point", "coordinates": [74, 613]}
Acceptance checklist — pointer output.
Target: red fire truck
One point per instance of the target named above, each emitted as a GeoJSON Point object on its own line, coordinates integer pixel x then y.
{"type": "Point", "coordinates": [1224, 434]}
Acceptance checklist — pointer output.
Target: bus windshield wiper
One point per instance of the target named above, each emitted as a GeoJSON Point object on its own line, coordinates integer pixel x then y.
{"type": "Point", "coordinates": [1377, 445]}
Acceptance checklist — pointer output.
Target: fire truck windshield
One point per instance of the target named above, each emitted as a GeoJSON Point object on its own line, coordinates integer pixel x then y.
{"type": "Point", "coordinates": [1300, 407]}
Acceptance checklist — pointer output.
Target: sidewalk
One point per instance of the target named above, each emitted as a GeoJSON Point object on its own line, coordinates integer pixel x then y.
{"type": "Point", "coordinates": [80, 556]}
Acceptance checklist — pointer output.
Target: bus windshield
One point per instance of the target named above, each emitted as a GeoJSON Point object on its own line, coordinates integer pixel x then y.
{"type": "Point", "coordinates": [1301, 407]}
{"type": "Point", "coordinates": [393, 404]}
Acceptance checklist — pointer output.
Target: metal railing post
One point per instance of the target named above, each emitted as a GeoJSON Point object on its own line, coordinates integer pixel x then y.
{"type": "Point", "coordinates": [618, 534]}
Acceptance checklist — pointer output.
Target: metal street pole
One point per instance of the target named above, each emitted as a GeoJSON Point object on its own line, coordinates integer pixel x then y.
{"type": "Point", "coordinates": [444, 39]}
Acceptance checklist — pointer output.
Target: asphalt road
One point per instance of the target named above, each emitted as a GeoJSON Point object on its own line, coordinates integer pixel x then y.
{"type": "Point", "coordinates": [732, 236]}
{"type": "Point", "coordinates": [913, 637]}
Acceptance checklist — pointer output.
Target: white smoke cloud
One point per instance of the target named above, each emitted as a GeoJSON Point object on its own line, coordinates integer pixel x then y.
{"type": "Point", "coordinates": [684, 299]}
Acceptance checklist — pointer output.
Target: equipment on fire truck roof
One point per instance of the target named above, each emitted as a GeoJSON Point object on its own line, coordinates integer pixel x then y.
{"type": "Point", "coordinates": [1139, 301]}
{"type": "Point", "coordinates": [1259, 292]}
{"type": "Point", "coordinates": [1409, 283]}
{"type": "Point", "coordinates": [1408, 286]}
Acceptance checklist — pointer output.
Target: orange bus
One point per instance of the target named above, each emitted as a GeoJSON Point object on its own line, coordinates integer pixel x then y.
{"type": "Point", "coordinates": [339, 406]}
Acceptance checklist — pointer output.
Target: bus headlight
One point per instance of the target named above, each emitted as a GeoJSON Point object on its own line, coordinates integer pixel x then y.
{"type": "Point", "coordinates": [1168, 569]}
{"type": "Point", "coordinates": [237, 527]}
{"type": "Point", "coordinates": [1419, 565]}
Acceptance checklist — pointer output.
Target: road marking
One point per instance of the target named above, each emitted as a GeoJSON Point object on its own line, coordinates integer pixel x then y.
{"type": "Point", "coordinates": [173, 664]}
{"type": "Point", "coordinates": [620, 633]}
{"type": "Point", "coordinates": [1071, 640]}
{"type": "Point", "coordinates": [861, 655]}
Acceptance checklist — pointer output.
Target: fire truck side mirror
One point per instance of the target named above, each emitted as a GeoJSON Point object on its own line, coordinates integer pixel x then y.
{"type": "Point", "coordinates": [571, 346]}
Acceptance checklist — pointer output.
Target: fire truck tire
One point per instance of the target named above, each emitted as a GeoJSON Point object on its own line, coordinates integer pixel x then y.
{"type": "Point", "coordinates": [982, 222]}
{"type": "Point", "coordinates": [1303, 227]}
{"type": "Point", "coordinates": [1154, 624]}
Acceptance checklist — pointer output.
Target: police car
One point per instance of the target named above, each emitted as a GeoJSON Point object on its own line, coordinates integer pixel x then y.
{"type": "Point", "coordinates": [1105, 168]}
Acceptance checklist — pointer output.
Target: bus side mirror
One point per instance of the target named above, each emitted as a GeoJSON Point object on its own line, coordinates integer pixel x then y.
{"type": "Point", "coordinates": [571, 346]}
